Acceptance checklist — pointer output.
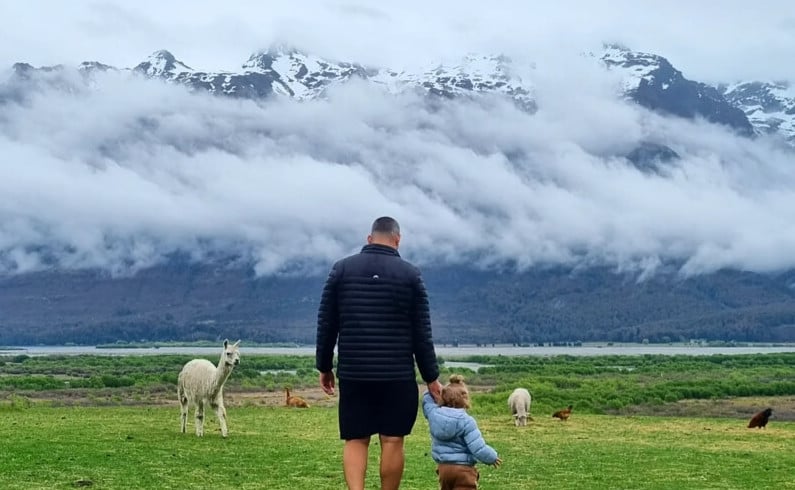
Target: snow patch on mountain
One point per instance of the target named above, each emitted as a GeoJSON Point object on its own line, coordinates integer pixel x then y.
{"type": "Point", "coordinates": [769, 106]}
{"type": "Point", "coordinates": [473, 74]}
{"type": "Point", "coordinates": [633, 66]}
{"type": "Point", "coordinates": [299, 75]}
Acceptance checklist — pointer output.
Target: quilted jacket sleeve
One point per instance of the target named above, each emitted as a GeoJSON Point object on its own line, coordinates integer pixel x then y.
{"type": "Point", "coordinates": [477, 445]}
{"type": "Point", "coordinates": [428, 405]}
{"type": "Point", "coordinates": [327, 324]}
{"type": "Point", "coordinates": [422, 337]}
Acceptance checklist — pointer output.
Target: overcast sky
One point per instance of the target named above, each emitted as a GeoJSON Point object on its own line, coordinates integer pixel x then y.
{"type": "Point", "coordinates": [709, 40]}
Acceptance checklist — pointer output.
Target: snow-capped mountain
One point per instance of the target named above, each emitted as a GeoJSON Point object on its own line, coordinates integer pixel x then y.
{"type": "Point", "coordinates": [162, 64]}
{"type": "Point", "coordinates": [651, 81]}
{"type": "Point", "coordinates": [94, 66]}
{"type": "Point", "coordinates": [288, 72]}
{"type": "Point", "coordinates": [770, 107]}
{"type": "Point", "coordinates": [299, 75]}
{"type": "Point", "coordinates": [474, 74]}
{"type": "Point", "coordinates": [647, 79]}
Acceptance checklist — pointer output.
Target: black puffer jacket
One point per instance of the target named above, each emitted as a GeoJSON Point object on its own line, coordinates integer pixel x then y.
{"type": "Point", "coordinates": [376, 305]}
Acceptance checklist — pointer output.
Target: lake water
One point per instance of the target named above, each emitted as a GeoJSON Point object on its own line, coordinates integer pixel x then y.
{"type": "Point", "coordinates": [279, 371]}
{"type": "Point", "coordinates": [586, 350]}
{"type": "Point", "coordinates": [472, 366]}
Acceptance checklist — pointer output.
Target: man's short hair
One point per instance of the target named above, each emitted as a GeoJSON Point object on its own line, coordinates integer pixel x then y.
{"type": "Point", "coordinates": [386, 225]}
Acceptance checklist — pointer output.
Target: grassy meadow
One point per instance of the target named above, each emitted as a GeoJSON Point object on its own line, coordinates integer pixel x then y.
{"type": "Point", "coordinates": [112, 422]}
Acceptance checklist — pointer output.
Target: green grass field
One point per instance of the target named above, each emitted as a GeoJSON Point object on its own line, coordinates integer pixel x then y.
{"type": "Point", "coordinates": [279, 448]}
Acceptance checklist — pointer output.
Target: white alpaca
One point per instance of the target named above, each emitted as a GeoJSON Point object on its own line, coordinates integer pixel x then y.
{"type": "Point", "coordinates": [201, 383]}
{"type": "Point", "coordinates": [519, 401]}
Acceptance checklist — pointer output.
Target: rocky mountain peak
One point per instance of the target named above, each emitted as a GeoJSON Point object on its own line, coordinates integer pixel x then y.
{"type": "Point", "coordinates": [162, 64]}
{"type": "Point", "coordinates": [653, 82]}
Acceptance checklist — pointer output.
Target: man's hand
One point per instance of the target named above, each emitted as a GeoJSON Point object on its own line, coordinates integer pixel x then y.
{"type": "Point", "coordinates": [435, 389]}
{"type": "Point", "coordinates": [497, 463]}
{"type": "Point", "coordinates": [327, 382]}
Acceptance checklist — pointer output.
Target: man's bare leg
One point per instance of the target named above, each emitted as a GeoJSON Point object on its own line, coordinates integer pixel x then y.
{"type": "Point", "coordinates": [392, 459]}
{"type": "Point", "coordinates": [354, 462]}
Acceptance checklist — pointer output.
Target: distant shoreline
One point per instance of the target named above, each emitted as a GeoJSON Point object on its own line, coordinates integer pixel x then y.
{"type": "Point", "coordinates": [488, 345]}
{"type": "Point", "coordinates": [461, 351]}
{"type": "Point", "coordinates": [202, 343]}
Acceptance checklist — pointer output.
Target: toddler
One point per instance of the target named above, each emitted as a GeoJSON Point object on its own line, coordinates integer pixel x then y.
{"type": "Point", "coordinates": [456, 440]}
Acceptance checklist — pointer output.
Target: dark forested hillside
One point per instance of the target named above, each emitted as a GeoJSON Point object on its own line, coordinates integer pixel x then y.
{"type": "Point", "coordinates": [183, 301]}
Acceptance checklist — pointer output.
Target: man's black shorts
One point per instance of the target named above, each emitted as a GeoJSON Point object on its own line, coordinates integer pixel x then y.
{"type": "Point", "coordinates": [388, 408]}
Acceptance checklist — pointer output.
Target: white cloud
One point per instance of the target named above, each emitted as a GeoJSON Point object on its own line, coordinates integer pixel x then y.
{"type": "Point", "coordinates": [120, 176]}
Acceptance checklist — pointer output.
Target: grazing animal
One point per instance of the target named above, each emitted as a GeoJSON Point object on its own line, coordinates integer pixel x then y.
{"type": "Point", "coordinates": [519, 402]}
{"type": "Point", "coordinates": [563, 414]}
{"type": "Point", "coordinates": [201, 383]}
{"type": "Point", "coordinates": [760, 419]}
{"type": "Point", "coordinates": [294, 401]}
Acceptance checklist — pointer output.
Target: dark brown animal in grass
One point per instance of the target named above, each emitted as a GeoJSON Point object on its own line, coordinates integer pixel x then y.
{"type": "Point", "coordinates": [563, 414]}
{"type": "Point", "coordinates": [760, 419]}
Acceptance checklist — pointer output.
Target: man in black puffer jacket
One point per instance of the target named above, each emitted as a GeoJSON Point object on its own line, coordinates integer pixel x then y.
{"type": "Point", "coordinates": [375, 307]}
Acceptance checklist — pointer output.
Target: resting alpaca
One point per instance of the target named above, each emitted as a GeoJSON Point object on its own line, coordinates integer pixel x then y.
{"type": "Point", "coordinates": [519, 401]}
{"type": "Point", "coordinates": [294, 401]}
{"type": "Point", "coordinates": [201, 383]}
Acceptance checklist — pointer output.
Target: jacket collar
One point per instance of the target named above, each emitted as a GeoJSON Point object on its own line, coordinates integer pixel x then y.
{"type": "Point", "coordinates": [374, 248]}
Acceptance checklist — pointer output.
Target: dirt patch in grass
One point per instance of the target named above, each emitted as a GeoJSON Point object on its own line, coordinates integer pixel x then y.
{"type": "Point", "coordinates": [313, 396]}
{"type": "Point", "coordinates": [166, 396]}
{"type": "Point", "coordinates": [741, 408]}
{"type": "Point", "coordinates": [111, 397]}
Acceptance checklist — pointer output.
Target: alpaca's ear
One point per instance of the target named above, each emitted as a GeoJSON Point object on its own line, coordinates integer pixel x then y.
{"type": "Point", "coordinates": [226, 342]}
{"type": "Point", "coordinates": [236, 344]}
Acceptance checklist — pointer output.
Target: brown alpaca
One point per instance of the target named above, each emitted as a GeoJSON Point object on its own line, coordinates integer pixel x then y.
{"type": "Point", "coordinates": [563, 414]}
{"type": "Point", "coordinates": [760, 419]}
{"type": "Point", "coordinates": [294, 401]}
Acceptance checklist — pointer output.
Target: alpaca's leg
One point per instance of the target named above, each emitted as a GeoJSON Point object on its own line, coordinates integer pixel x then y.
{"type": "Point", "coordinates": [200, 418]}
{"type": "Point", "coordinates": [183, 409]}
{"type": "Point", "coordinates": [220, 412]}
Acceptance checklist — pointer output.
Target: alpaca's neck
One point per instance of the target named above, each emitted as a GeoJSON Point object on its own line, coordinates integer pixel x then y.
{"type": "Point", "coordinates": [222, 372]}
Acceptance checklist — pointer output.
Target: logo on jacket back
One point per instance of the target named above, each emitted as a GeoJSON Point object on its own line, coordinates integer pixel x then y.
{"type": "Point", "coordinates": [375, 276]}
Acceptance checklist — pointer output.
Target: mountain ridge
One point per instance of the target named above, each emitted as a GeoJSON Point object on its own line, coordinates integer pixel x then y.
{"type": "Point", "coordinates": [750, 108]}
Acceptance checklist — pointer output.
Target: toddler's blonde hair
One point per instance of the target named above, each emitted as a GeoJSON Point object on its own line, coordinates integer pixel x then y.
{"type": "Point", "coordinates": [455, 394]}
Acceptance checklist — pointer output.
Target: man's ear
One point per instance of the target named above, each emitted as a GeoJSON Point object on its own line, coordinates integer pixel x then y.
{"type": "Point", "coordinates": [369, 239]}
